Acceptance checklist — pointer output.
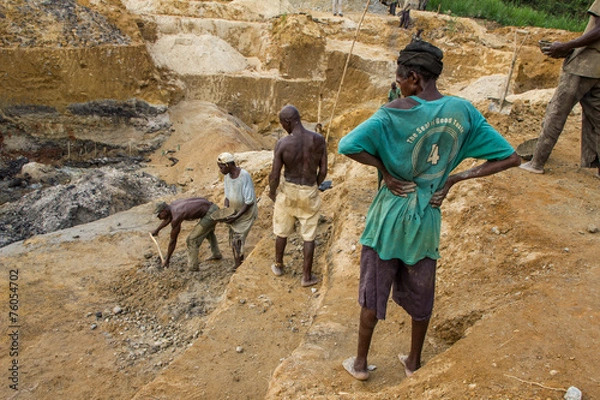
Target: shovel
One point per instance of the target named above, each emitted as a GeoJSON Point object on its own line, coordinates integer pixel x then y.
{"type": "Point", "coordinates": [162, 260]}
{"type": "Point", "coordinates": [499, 104]}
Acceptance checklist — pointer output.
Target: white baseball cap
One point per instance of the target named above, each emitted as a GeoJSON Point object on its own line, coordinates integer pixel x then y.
{"type": "Point", "coordinates": [225, 158]}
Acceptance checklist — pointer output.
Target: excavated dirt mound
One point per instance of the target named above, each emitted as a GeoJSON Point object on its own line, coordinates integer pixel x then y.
{"type": "Point", "coordinates": [517, 309]}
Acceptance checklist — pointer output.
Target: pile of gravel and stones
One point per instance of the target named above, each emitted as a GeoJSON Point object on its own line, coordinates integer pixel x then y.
{"type": "Point", "coordinates": [77, 196]}
{"type": "Point", "coordinates": [56, 23]}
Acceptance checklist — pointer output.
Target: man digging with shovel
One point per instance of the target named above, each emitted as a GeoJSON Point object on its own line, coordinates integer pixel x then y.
{"type": "Point", "coordinates": [189, 210]}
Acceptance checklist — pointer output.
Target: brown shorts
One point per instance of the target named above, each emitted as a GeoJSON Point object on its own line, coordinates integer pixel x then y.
{"type": "Point", "coordinates": [413, 285]}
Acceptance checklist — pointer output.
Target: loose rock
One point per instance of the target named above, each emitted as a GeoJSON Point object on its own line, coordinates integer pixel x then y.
{"type": "Point", "coordinates": [573, 394]}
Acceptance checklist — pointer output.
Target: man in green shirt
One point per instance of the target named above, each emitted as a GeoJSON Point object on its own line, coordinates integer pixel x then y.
{"type": "Point", "coordinates": [415, 142]}
{"type": "Point", "coordinates": [394, 92]}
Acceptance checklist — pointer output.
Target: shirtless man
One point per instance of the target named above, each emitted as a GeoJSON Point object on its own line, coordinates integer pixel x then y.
{"type": "Point", "coordinates": [304, 155]}
{"type": "Point", "coordinates": [189, 210]}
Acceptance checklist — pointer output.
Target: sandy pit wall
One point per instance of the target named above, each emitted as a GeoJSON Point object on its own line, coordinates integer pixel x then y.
{"type": "Point", "coordinates": [59, 77]}
{"type": "Point", "coordinates": [257, 100]}
{"type": "Point", "coordinates": [81, 94]}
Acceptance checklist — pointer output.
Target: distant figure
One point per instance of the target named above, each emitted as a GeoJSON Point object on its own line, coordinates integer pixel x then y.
{"type": "Point", "coordinates": [417, 35]}
{"type": "Point", "coordinates": [394, 92]}
{"type": "Point", "coordinates": [405, 16]}
{"type": "Point", "coordinates": [239, 195]}
{"type": "Point", "coordinates": [189, 210]}
{"type": "Point", "coordinates": [303, 155]}
{"type": "Point", "coordinates": [579, 82]}
{"type": "Point", "coordinates": [337, 7]}
{"type": "Point", "coordinates": [393, 5]}
{"type": "Point", "coordinates": [414, 143]}
{"type": "Point", "coordinates": [319, 128]}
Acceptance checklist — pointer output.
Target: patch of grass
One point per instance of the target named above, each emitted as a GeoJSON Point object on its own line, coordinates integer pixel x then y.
{"type": "Point", "coordinates": [452, 25]}
{"type": "Point", "coordinates": [508, 14]}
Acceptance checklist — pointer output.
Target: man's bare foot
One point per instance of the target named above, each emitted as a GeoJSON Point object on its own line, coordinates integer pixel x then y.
{"type": "Point", "coordinates": [530, 168]}
{"type": "Point", "coordinates": [348, 365]}
{"type": "Point", "coordinates": [277, 269]}
{"type": "Point", "coordinates": [312, 281]}
{"type": "Point", "coordinates": [214, 258]}
{"type": "Point", "coordinates": [407, 371]}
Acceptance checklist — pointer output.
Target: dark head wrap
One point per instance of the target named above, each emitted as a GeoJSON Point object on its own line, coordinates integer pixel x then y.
{"type": "Point", "coordinates": [422, 54]}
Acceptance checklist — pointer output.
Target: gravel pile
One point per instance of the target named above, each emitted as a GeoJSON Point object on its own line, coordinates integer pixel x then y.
{"type": "Point", "coordinates": [95, 194]}
{"type": "Point", "coordinates": [55, 23]}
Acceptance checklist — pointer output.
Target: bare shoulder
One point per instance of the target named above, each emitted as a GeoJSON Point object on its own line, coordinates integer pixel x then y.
{"type": "Point", "coordinates": [317, 137]}
{"type": "Point", "coordinates": [283, 143]}
{"type": "Point", "coordinates": [189, 204]}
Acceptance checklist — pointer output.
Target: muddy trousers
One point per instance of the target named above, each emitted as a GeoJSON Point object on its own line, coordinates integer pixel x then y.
{"type": "Point", "coordinates": [572, 89]}
{"type": "Point", "coordinates": [205, 229]}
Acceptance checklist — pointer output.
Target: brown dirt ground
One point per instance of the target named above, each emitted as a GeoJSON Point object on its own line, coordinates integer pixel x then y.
{"type": "Point", "coordinates": [517, 303]}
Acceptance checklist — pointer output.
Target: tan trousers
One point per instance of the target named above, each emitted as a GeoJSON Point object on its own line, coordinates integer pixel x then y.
{"type": "Point", "coordinates": [205, 229]}
{"type": "Point", "coordinates": [572, 89]}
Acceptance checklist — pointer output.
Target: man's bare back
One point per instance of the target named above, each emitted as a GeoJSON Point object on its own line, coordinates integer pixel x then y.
{"type": "Point", "coordinates": [303, 153]}
{"type": "Point", "coordinates": [175, 213]}
{"type": "Point", "coordinates": [189, 209]}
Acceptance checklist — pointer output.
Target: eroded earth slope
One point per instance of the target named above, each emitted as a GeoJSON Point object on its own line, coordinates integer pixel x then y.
{"type": "Point", "coordinates": [517, 305]}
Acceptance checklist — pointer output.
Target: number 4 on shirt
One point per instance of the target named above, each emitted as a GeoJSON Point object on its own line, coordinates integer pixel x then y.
{"type": "Point", "coordinates": [434, 156]}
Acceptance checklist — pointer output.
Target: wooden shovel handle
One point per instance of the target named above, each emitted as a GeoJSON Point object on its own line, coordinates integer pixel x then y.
{"type": "Point", "coordinates": [162, 260]}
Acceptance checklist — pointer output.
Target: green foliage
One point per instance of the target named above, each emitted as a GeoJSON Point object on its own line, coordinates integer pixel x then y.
{"type": "Point", "coordinates": [556, 8]}
{"type": "Point", "coordinates": [541, 13]}
{"type": "Point", "coordinates": [452, 25]}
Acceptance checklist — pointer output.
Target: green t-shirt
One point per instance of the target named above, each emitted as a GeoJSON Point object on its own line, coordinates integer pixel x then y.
{"type": "Point", "coordinates": [423, 145]}
{"type": "Point", "coordinates": [393, 94]}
